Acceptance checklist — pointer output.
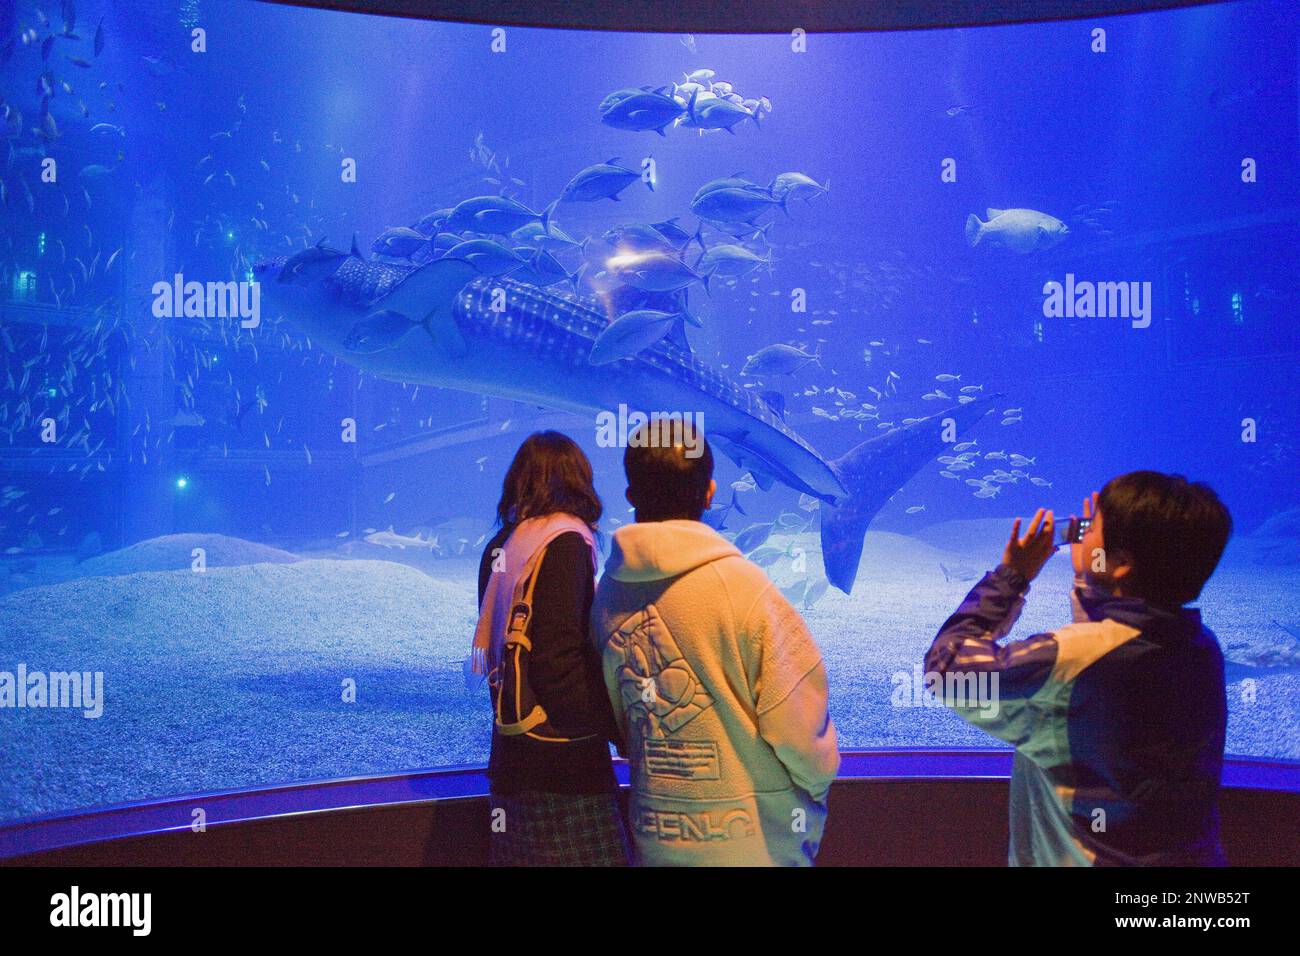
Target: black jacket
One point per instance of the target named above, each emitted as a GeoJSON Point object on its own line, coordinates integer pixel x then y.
{"type": "Point", "coordinates": [565, 674]}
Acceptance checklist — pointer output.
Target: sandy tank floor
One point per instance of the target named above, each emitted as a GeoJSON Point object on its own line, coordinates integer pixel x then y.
{"type": "Point", "coordinates": [235, 676]}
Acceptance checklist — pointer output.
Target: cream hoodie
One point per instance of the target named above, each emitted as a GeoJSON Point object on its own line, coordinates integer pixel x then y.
{"type": "Point", "coordinates": [721, 696]}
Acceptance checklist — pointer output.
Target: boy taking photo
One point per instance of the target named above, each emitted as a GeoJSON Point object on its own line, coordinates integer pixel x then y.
{"type": "Point", "coordinates": [1118, 718]}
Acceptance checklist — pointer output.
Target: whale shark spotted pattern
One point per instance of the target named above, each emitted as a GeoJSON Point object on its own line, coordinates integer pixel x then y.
{"type": "Point", "coordinates": [510, 339]}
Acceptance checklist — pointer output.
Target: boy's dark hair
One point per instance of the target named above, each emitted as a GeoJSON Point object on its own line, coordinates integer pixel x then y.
{"type": "Point", "coordinates": [1174, 531]}
{"type": "Point", "coordinates": [549, 475]}
{"type": "Point", "coordinates": [664, 482]}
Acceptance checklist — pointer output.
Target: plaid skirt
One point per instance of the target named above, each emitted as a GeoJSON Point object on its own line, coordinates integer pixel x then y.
{"type": "Point", "coordinates": [538, 828]}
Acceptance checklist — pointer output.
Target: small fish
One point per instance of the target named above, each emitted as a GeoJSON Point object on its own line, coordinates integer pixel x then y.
{"type": "Point", "coordinates": [753, 537]}
{"type": "Point", "coordinates": [766, 556]}
{"type": "Point", "coordinates": [815, 592]}
{"type": "Point", "coordinates": [915, 509]}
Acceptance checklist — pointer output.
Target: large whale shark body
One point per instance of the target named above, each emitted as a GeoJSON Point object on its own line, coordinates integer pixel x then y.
{"type": "Point", "coordinates": [510, 339]}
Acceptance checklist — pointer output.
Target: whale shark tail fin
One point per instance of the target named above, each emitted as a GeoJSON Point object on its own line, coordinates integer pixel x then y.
{"type": "Point", "coordinates": [874, 471]}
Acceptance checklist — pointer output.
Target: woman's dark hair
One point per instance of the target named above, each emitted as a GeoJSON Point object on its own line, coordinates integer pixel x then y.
{"type": "Point", "coordinates": [549, 475]}
{"type": "Point", "coordinates": [1174, 531]}
{"type": "Point", "coordinates": [669, 466]}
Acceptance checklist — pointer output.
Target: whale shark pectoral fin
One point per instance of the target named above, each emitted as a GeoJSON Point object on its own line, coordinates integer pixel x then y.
{"type": "Point", "coordinates": [677, 335]}
{"type": "Point", "coordinates": [441, 327]}
{"type": "Point", "coordinates": [428, 297]}
{"type": "Point", "coordinates": [736, 447]}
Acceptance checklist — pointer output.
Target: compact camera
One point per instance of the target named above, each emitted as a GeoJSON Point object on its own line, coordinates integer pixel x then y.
{"type": "Point", "coordinates": [1073, 533]}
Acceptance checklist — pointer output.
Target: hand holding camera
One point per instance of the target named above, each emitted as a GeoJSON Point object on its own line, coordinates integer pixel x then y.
{"type": "Point", "coordinates": [1027, 555]}
{"type": "Point", "coordinates": [1079, 527]}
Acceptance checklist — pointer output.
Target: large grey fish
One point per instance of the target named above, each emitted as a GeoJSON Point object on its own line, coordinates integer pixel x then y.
{"type": "Point", "coordinates": [537, 350]}
{"type": "Point", "coordinates": [630, 333]}
{"type": "Point", "coordinates": [1020, 230]}
{"type": "Point", "coordinates": [601, 181]}
{"type": "Point", "coordinates": [497, 215]}
{"type": "Point", "coordinates": [641, 110]}
{"type": "Point", "coordinates": [778, 359]}
{"type": "Point", "coordinates": [718, 113]}
{"type": "Point", "coordinates": [735, 204]}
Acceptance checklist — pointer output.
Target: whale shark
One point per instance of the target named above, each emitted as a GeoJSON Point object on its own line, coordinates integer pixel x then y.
{"type": "Point", "coordinates": [505, 338]}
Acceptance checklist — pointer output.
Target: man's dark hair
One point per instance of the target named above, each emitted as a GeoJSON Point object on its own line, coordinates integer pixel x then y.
{"type": "Point", "coordinates": [664, 482]}
{"type": "Point", "coordinates": [1173, 530]}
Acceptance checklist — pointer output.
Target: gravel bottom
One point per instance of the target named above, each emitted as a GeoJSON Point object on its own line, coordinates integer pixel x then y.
{"type": "Point", "coordinates": [235, 677]}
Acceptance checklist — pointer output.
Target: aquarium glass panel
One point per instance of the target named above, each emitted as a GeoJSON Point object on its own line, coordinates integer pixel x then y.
{"type": "Point", "coordinates": [282, 290]}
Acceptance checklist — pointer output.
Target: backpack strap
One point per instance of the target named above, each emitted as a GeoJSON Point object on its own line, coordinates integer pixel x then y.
{"type": "Point", "coordinates": [521, 611]}
{"type": "Point", "coordinates": [516, 642]}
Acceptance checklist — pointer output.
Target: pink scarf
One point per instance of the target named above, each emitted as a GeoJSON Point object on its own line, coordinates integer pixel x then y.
{"type": "Point", "coordinates": [509, 568]}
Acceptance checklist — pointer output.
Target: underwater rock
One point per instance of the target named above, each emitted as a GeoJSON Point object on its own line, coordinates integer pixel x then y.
{"type": "Point", "coordinates": [175, 552]}
{"type": "Point", "coordinates": [1250, 658]}
{"type": "Point", "coordinates": [1275, 542]}
{"type": "Point", "coordinates": [90, 546]}
{"type": "Point", "coordinates": [1284, 524]}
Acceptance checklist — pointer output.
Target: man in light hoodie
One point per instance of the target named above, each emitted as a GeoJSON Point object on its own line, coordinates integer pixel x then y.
{"type": "Point", "coordinates": [717, 686]}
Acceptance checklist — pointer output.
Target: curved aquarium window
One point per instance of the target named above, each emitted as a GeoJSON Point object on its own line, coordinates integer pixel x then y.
{"type": "Point", "coordinates": [254, 417]}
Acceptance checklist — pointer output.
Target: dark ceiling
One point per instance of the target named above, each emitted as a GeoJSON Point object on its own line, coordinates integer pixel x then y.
{"type": "Point", "coordinates": [746, 16]}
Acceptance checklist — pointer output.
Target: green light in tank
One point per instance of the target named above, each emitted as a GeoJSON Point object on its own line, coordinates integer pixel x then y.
{"type": "Point", "coordinates": [24, 286]}
{"type": "Point", "coordinates": [182, 483]}
{"type": "Point", "coordinates": [40, 244]}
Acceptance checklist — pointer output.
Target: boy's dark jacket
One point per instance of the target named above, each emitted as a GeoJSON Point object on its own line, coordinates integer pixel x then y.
{"type": "Point", "coordinates": [1118, 722]}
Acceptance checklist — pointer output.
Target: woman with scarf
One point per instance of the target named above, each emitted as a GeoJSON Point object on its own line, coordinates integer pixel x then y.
{"type": "Point", "coordinates": [554, 797]}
